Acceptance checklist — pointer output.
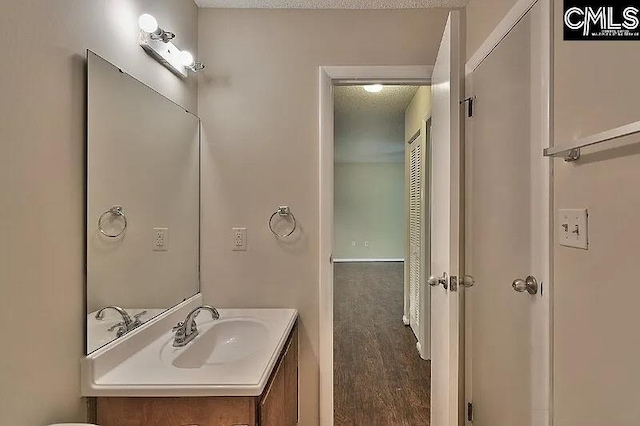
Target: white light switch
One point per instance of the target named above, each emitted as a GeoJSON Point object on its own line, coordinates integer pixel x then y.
{"type": "Point", "coordinates": [160, 239]}
{"type": "Point", "coordinates": [239, 239]}
{"type": "Point", "coordinates": [353, 243]}
{"type": "Point", "coordinates": [573, 228]}
{"type": "Point", "coordinates": [366, 243]}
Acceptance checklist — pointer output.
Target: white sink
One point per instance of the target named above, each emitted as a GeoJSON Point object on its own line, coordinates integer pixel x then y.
{"type": "Point", "coordinates": [231, 356]}
{"type": "Point", "coordinates": [225, 341]}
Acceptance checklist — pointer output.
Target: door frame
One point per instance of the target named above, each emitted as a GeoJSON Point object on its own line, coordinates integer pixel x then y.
{"type": "Point", "coordinates": [330, 76]}
{"type": "Point", "coordinates": [542, 193]}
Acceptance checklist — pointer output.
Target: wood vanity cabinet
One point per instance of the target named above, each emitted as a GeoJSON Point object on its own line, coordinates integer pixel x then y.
{"type": "Point", "coordinates": [277, 406]}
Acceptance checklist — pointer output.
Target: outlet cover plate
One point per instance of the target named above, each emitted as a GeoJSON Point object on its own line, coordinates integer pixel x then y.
{"type": "Point", "coordinates": [573, 228]}
{"type": "Point", "coordinates": [160, 239]}
{"type": "Point", "coordinates": [239, 239]}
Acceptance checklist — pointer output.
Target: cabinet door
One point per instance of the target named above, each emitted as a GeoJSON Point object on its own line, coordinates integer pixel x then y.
{"type": "Point", "coordinates": [214, 411]}
{"type": "Point", "coordinates": [272, 406]}
{"type": "Point", "coordinates": [291, 380]}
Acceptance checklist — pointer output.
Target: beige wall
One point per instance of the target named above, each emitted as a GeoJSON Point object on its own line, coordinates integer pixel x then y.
{"type": "Point", "coordinates": [42, 132]}
{"type": "Point", "coordinates": [595, 299]}
{"type": "Point", "coordinates": [482, 18]}
{"type": "Point", "coordinates": [416, 112]}
{"type": "Point", "coordinates": [258, 100]}
{"type": "Point", "coordinates": [369, 206]}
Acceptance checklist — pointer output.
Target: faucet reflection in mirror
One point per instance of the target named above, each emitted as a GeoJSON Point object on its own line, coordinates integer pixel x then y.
{"type": "Point", "coordinates": [127, 323]}
{"type": "Point", "coordinates": [143, 159]}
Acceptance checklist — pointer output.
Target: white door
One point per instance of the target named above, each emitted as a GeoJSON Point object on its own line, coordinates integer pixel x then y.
{"type": "Point", "coordinates": [445, 226]}
{"type": "Point", "coordinates": [415, 234]}
{"type": "Point", "coordinates": [503, 208]}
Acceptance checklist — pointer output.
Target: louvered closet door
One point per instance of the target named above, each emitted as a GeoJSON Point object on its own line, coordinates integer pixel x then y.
{"type": "Point", "coordinates": [415, 235]}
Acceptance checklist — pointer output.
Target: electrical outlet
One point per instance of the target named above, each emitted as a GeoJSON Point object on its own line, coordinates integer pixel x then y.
{"type": "Point", "coordinates": [366, 244]}
{"type": "Point", "coordinates": [573, 228]}
{"type": "Point", "coordinates": [239, 239]}
{"type": "Point", "coordinates": [160, 239]}
{"type": "Point", "coordinates": [353, 244]}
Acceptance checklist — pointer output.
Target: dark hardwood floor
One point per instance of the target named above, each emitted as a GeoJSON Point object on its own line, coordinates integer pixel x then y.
{"type": "Point", "coordinates": [379, 378]}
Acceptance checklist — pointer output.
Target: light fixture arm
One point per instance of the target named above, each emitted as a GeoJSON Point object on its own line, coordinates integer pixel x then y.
{"type": "Point", "coordinates": [196, 66]}
{"type": "Point", "coordinates": [162, 35]}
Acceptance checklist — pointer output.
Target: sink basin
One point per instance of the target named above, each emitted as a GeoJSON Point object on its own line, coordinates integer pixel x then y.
{"type": "Point", "coordinates": [231, 356]}
{"type": "Point", "coordinates": [224, 341]}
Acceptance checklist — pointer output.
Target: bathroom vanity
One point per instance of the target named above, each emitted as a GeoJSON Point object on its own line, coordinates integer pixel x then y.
{"type": "Point", "coordinates": [277, 405]}
{"type": "Point", "coordinates": [241, 369]}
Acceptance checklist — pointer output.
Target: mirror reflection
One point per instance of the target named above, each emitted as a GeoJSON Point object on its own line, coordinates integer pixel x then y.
{"type": "Point", "coordinates": [143, 203]}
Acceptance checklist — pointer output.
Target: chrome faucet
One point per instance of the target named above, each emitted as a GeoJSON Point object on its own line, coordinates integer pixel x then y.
{"type": "Point", "coordinates": [126, 325]}
{"type": "Point", "coordinates": [187, 330]}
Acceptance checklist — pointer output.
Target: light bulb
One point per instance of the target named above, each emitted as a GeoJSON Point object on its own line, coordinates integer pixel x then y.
{"type": "Point", "coordinates": [186, 58]}
{"type": "Point", "coordinates": [373, 88]}
{"type": "Point", "coordinates": [147, 23]}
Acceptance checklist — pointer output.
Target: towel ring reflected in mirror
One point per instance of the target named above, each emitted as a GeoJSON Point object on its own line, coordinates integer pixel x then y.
{"type": "Point", "coordinates": [283, 211]}
{"type": "Point", "coordinates": [113, 211]}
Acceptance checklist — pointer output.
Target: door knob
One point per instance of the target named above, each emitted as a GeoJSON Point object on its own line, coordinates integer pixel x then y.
{"type": "Point", "coordinates": [467, 281]}
{"type": "Point", "coordinates": [530, 285]}
{"type": "Point", "coordinates": [436, 281]}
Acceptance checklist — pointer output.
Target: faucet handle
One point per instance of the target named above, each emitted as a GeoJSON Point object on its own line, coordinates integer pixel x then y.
{"type": "Point", "coordinates": [139, 314]}
{"type": "Point", "coordinates": [116, 325]}
{"type": "Point", "coordinates": [178, 326]}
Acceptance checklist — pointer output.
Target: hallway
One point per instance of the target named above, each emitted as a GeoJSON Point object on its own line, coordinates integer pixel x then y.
{"type": "Point", "coordinates": [379, 378]}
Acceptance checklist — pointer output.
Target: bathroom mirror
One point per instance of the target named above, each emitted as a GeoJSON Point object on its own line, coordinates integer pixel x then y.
{"type": "Point", "coordinates": [143, 203]}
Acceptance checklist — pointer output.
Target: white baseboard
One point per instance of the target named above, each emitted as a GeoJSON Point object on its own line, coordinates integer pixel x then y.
{"type": "Point", "coordinates": [366, 260]}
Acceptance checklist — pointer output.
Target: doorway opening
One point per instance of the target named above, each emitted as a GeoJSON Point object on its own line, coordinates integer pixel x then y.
{"type": "Point", "coordinates": [381, 305]}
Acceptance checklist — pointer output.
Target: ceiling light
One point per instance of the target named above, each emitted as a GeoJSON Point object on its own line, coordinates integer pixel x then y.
{"type": "Point", "coordinates": [373, 88]}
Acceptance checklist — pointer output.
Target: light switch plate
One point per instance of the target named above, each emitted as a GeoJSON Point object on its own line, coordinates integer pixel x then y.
{"type": "Point", "coordinates": [573, 228]}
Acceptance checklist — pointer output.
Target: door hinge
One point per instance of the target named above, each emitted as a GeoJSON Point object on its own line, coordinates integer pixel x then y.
{"type": "Point", "coordinates": [470, 101]}
{"type": "Point", "coordinates": [470, 411]}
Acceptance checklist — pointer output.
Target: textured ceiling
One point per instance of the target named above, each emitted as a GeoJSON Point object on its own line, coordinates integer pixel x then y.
{"type": "Point", "coordinates": [331, 4]}
{"type": "Point", "coordinates": [369, 127]}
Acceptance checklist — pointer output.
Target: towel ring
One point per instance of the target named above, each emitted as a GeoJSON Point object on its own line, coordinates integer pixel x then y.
{"type": "Point", "coordinates": [116, 211]}
{"type": "Point", "coordinates": [283, 211]}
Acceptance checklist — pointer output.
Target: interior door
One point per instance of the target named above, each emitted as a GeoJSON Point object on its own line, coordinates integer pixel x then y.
{"type": "Point", "coordinates": [500, 233]}
{"type": "Point", "coordinates": [415, 234]}
{"type": "Point", "coordinates": [445, 226]}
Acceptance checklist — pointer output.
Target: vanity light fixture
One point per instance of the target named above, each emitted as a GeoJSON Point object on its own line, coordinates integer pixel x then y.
{"type": "Point", "coordinates": [373, 88]}
{"type": "Point", "coordinates": [188, 62]}
{"type": "Point", "coordinates": [156, 42]}
{"type": "Point", "coordinates": [149, 24]}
